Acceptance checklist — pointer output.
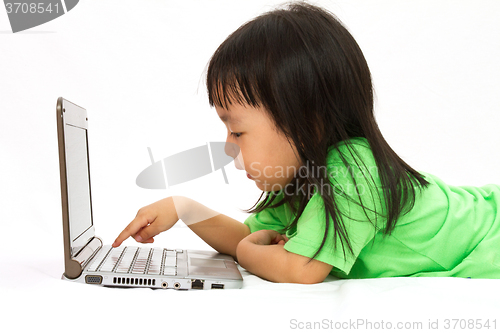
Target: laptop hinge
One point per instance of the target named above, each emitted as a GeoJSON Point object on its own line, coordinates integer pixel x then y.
{"type": "Point", "coordinates": [88, 251]}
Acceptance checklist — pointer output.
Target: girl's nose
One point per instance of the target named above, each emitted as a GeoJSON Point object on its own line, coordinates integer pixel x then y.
{"type": "Point", "coordinates": [232, 149]}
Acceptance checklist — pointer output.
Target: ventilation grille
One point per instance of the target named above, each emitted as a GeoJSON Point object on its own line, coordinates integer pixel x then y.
{"type": "Point", "coordinates": [93, 279]}
{"type": "Point", "coordinates": [134, 281]}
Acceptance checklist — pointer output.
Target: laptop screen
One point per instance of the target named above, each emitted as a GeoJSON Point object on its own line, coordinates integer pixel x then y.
{"type": "Point", "coordinates": [77, 168]}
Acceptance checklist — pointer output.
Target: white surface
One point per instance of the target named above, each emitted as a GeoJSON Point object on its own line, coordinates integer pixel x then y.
{"type": "Point", "coordinates": [138, 68]}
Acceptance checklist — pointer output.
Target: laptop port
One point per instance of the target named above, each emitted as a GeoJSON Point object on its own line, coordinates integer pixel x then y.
{"type": "Point", "coordinates": [217, 286]}
{"type": "Point", "coordinates": [93, 279]}
{"type": "Point", "coordinates": [197, 284]}
{"type": "Point", "coordinates": [164, 285]}
{"type": "Point", "coordinates": [177, 285]}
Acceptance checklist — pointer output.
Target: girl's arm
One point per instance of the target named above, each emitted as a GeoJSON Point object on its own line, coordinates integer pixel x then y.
{"type": "Point", "coordinates": [220, 231]}
{"type": "Point", "coordinates": [263, 254]}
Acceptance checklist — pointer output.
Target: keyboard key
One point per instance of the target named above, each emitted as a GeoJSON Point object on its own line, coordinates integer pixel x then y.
{"type": "Point", "coordinates": [141, 261]}
{"type": "Point", "coordinates": [170, 271]}
{"type": "Point", "coordinates": [98, 259]}
{"type": "Point", "coordinates": [128, 257]}
{"type": "Point", "coordinates": [111, 260]}
{"type": "Point", "coordinates": [155, 264]}
{"type": "Point", "coordinates": [170, 261]}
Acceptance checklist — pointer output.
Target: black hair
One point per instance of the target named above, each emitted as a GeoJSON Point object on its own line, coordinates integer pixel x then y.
{"type": "Point", "coordinates": [304, 67]}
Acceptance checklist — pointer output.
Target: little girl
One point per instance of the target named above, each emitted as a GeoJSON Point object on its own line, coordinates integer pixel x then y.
{"type": "Point", "coordinates": [295, 93]}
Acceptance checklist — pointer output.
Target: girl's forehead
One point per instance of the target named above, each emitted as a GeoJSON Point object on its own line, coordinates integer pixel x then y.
{"type": "Point", "coordinates": [227, 118]}
{"type": "Point", "coordinates": [233, 115]}
{"type": "Point", "coordinates": [237, 114]}
{"type": "Point", "coordinates": [225, 115]}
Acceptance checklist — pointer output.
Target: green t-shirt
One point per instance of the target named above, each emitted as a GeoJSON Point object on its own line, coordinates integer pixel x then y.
{"type": "Point", "coordinates": [450, 231]}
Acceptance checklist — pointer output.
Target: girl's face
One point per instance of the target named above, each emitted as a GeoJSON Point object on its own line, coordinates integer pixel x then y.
{"type": "Point", "coordinates": [266, 155]}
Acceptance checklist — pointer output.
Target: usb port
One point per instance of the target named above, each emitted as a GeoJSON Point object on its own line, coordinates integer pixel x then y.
{"type": "Point", "coordinates": [217, 286]}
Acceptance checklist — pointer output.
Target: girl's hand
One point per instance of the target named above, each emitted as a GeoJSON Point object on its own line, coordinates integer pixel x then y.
{"type": "Point", "coordinates": [150, 221]}
{"type": "Point", "coordinates": [267, 237]}
{"type": "Point", "coordinates": [280, 239]}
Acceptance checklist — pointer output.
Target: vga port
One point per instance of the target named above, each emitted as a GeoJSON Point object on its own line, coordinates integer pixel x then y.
{"type": "Point", "coordinates": [93, 279]}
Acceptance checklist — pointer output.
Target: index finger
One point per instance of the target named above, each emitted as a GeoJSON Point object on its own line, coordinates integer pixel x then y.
{"type": "Point", "coordinates": [137, 224]}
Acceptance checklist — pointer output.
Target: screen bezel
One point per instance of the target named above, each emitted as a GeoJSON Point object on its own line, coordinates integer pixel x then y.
{"type": "Point", "coordinates": [73, 115]}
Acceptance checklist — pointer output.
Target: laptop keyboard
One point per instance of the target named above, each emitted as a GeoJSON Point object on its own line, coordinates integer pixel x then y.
{"type": "Point", "coordinates": [135, 260]}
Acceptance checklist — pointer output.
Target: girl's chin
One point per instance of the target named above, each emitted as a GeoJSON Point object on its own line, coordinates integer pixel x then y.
{"type": "Point", "coordinates": [267, 187]}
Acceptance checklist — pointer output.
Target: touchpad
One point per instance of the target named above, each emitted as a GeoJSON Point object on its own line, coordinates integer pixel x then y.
{"type": "Point", "coordinates": [208, 262]}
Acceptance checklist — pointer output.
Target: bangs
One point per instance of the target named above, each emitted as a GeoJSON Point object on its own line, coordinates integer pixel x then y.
{"type": "Point", "coordinates": [237, 70]}
{"type": "Point", "coordinates": [228, 87]}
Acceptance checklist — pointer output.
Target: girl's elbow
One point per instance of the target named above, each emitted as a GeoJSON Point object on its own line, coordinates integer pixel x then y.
{"type": "Point", "coordinates": [305, 277]}
{"type": "Point", "coordinates": [241, 253]}
{"type": "Point", "coordinates": [312, 275]}
{"type": "Point", "coordinates": [311, 279]}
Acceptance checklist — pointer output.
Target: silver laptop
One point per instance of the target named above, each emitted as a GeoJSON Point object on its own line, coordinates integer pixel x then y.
{"type": "Point", "coordinates": [87, 260]}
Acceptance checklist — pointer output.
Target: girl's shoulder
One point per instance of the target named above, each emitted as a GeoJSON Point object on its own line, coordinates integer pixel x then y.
{"type": "Point", "coordinates": [353, 155]}
{"type": "Point", "coordinates": [358, 144]}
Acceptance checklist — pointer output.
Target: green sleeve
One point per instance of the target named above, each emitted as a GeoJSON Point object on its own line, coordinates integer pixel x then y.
{"type": "Point", "coordinates": [268, 219]}
{"type": "Point", "coordinates": [311, 225]}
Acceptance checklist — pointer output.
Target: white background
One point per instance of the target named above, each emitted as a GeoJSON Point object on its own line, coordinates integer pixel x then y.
{"type": "Point", "coordinates": [138, 67]}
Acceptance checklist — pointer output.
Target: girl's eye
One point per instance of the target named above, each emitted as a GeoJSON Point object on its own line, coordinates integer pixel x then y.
{"type": "Point", "coordinates": [237, 135]}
